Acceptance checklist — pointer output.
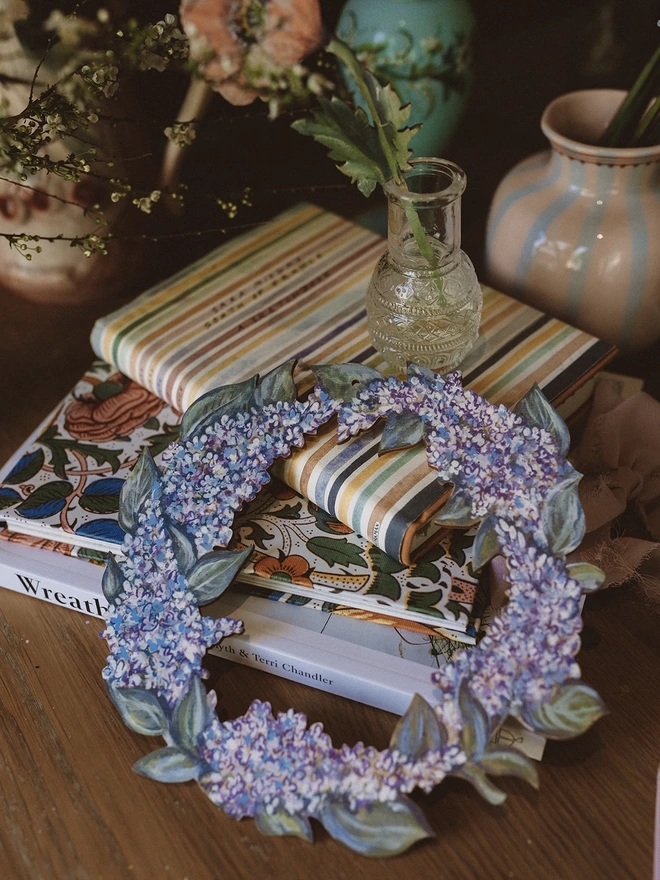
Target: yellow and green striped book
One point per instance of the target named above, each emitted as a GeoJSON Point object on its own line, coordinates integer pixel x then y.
{"type": "Point", "coordinates": [295, 288]}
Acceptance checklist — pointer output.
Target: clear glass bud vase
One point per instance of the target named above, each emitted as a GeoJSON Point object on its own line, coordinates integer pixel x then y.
{"type": "Point", "coordinates": [424, 299]}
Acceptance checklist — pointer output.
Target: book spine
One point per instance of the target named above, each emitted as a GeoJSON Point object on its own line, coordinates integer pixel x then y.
{"type": "Point", "coordinates": [323, 670]}
{"type": "Point", "coordinates": [290, 657]}
{"type": "Point", "coordinates": [85, 596]}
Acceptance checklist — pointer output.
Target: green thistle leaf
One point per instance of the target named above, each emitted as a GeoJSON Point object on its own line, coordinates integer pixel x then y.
{"type": "Point", "coordinates": [352, 142]}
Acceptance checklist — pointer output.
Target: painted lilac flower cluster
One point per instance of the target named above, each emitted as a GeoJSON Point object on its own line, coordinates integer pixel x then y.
{"type": "Point", "coordinates": [210, 476]}
{"type": "Point", "coordinates": [489, 453]}
{"type": "Point", "coordinates": [269, 766]}
{"type": "Point", "coordinates": [155, 634]}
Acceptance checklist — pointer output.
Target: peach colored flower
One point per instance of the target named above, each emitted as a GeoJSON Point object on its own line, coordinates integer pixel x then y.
{"type": "Point", "coordinates": [234, 38]}
{"type": "Point", "coordinates": [90, 418]}
{"type": "Point", "coordinates": [292, 569]}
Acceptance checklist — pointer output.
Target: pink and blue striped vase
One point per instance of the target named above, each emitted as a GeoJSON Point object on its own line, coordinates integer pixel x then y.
{"type": "Point", "coordinates": [575, 231]}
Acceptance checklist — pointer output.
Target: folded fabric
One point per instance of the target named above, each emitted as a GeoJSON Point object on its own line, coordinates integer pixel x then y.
{"type": "Point", "coordinates": [619, 455]}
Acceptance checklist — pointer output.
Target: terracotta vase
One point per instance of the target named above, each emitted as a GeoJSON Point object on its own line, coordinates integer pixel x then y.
{"type": "Point", "coordinates": [574, 231]}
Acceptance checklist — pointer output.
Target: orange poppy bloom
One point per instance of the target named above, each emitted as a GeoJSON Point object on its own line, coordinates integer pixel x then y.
{"type": "Point", "coordinates": [249, 35]}
{"type": "Point", "coordinates": [292, 569]}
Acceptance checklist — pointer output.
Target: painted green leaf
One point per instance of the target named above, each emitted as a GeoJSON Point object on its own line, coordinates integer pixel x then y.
{"type": "Point", "coordinates": [563, 517]}
{"type": "Point", "coordinates": [420, 600]}
{"type": "Point", "coordinates": [395, 115]}
{"type": "Point", "coordinates": [281, 824]}
{"type": "Point", "coordinates": [460, 542]}
{"type": "Point", "coordinates": [258, 535]}
{"type": "Point", "coordinates": [385, 585]}
{"type": "Point", "coordinates": [456, 512]}
{"type": "Point", "coordinates": [9, 497]}
{"type": "Point", "coordinates": [152, 424]}
{"type": "Point", "coordinates": [214, 572]}
{"type": "Point", "coordinates": [351, 141]}
{"type": "Point", "coordinates": [402, 430]}
{"type": "Point", "coordinates": [138, 487]}
{"type": "Point", "coordinates": [473, 774]}
{"type": "Point", "coordinates": [184, 547]}
{"type": "Point", "coordinates": [537, 411]}
{"type": "Point", "coordinates": [276, 386]}
{"type": "Point", "coordinates": [289, 511]}
{"type": "Point", "coordinates": [169, 764]}
{"type": "Point", "coordinates": [572, 710]}
{"type": "Point", "coordinates": [113, 580]}
{"type": "Point", "coordinates": [509, 762]}
{"type": "Point", "coordinates": [106, 390]}
{"type": "Point", "coordinates": [418, 730]}
{"type": "Point", "coordinates": [208, 408]}
{"type": "Point", "coordinates": [377, 830]}
{"type": "Point", "coordinates": [426, 569]}
{"type": "Point", "coordinates": [382, 561]}
{"type": "Point", "coordinates": [26, 468]}
{"type": "Point", "coordinates": [158, 442]}
{"type": "Point", "coordinates": [46, 500]}
{"type": "Point", "coordinates": [486, 544]}
{"type": "Point", "coordinates": [338, 551]}
{"type": "Point", "coordinates": [190, 716]}
{"type": "Point", "coordinates": [102, 496]}
{"type": "Point", "coordinates": [140, 710]}
{"type": "Point", "coordinates": [589, 576]}
{"type": "Point", "coordinates": [343, 381]}
{"type": "Point", "coordinates": [477, 728]}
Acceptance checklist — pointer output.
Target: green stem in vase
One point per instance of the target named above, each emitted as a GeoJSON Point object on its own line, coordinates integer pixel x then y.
{"type": "Point", "coordinates": [622, 129]}
{"type": "Point", "coordinates": [346, 56]}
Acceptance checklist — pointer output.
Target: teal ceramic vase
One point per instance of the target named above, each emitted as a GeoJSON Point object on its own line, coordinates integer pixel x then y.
{"type": "Point", "coordinates": [424, 48]}
{"type": "Point", "coordinates": [573, 231]}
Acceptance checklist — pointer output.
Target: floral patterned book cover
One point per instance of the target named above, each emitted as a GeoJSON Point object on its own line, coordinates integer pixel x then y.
{"type": "Point", "coordinates": [63, 485]}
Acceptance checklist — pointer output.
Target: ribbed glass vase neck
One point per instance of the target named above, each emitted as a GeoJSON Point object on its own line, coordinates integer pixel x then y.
{"type": "Point", "coordinates": [424, 215]}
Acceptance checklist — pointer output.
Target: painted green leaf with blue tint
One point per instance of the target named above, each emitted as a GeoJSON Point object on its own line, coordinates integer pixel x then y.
{"type": "Point", "coordinates": [25, 468]}
{"type": "Point", "coordinates": [138, 487]}
{"type": "Point", "coordinates": [402, 430]}
{"type": "Point", "coordinates": [571, 711]}
{"type": "Point", "coordinates": [343, 381]}
{"type": "Point", "coordinates": [486, 544]}
{"type": "Point", "coordinates": [184, 547]}
{"type": "Point", "coordinates": [214, 572]}
{"type": "Point", "coordinates": [589, 576]}
{"type": "Point", "coordinates": [46, 500]}
{"type": "Point", "coordinates": [140, 710]}
{"type": "Point", "coordinates": [418, 730]}
{"type": "Point", "coordinates": [113, 580]}
{"type": "Point", "coordinates": [509, 762]}
{"type": "Point", "coordinates": [378, 829]}
{"type": "Point", "coordinates": [477, 777]}
{"type": "Point", "coordinates": [208, 408]}
{"type": "Point", "coordinates": [276, 386]}
{"type": "Point", "coordinates": [477, 728]}
{"type": "Point", "coordinates": [538, 412]}
{"type": "Point", "coordinates": [456, 512]}
{"type": "Point", "coordinates": [384, 585]}
{"type": "Point", "coordinates": [563, 517]}
{"type": "Point", "coordinates": [282, 824]}
{"type": "Point", "coordinates": [190, 716]}
{"type": "Point", "coordinates": [169, 764]}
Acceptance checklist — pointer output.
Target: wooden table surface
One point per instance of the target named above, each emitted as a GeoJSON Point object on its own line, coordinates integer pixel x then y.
{"type": "Point", "coordinates": [70, 805]}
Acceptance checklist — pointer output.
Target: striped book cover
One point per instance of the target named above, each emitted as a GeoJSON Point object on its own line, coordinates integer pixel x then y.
{"type": "Point", "coordinates": [295, 288]}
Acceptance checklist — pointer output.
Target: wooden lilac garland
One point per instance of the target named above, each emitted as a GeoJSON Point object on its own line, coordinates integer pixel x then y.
{"type": "Point", "coordinates": [509, 473]}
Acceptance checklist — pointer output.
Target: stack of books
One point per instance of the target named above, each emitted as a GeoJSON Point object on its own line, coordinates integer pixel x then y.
{"type": "Point", "coordinates": [337, 549]}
